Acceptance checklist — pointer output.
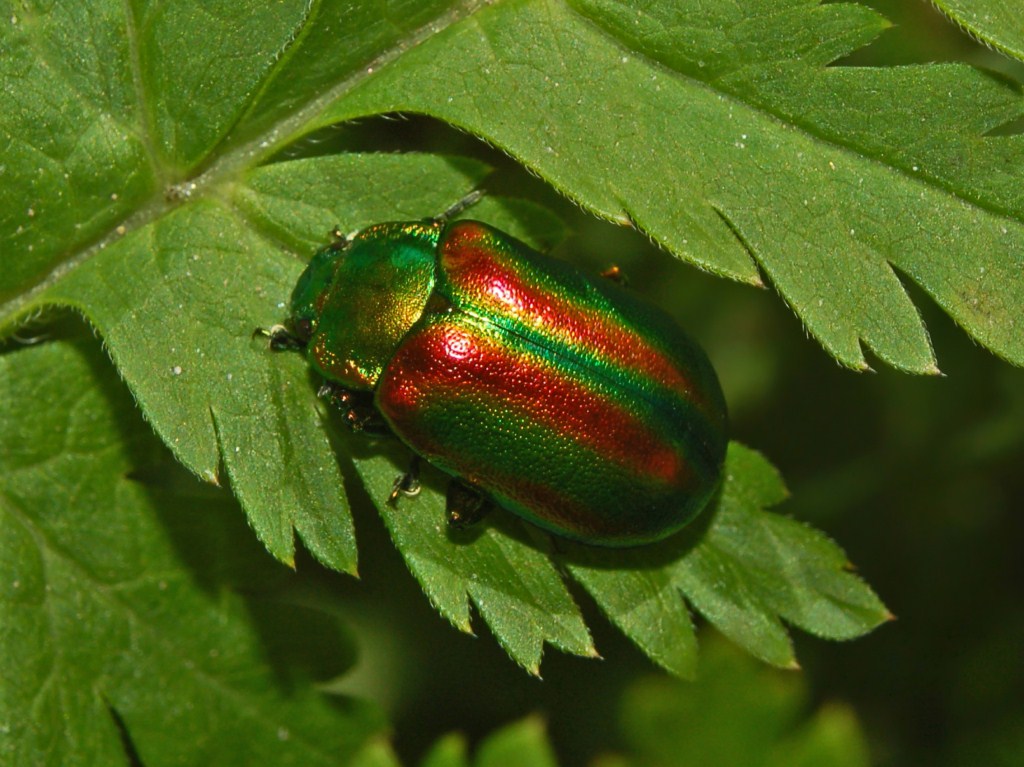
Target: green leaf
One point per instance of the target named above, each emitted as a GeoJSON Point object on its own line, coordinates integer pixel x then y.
{"type": "Point", "coordinates": [123, 637]}
{"type": "Point", "coordinates": [995, 22]}
{"type": "Point", "coordinates": [744, 568]}
{"type": "Point", "coordinates": [720, 131]}
{"type": "Point", "coordinates": [640, 597]}
{"type": "Point", "coordinates": [149, 183]}
{"type": "Point", "coordinates": [832, 737]}
{"type": "Point", "coordinates": [522, 744]}
{"type": "Point", "coordinates": [376, 753]}
{"type": "Point", "coordinates": [735, 713]}
{"type": "Point", "coordinates": [177, 300]}
{"type": "Point", "coordinates": [449, 751]}
{"type": "Point", "coordinates": [513, 583]}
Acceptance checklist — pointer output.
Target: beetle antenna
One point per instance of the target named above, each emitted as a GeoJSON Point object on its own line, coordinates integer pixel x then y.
{"type": "Point", "coordinates": [466, 202]}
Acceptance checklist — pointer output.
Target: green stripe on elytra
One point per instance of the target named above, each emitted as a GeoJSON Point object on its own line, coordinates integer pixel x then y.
{"type": "Point", "coordinates": [534, 283]}
{"type": "Point", "coordinates": [620, 384]}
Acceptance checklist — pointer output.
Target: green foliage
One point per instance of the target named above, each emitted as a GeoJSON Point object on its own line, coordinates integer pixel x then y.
{"type": "Point", "coordinates": [744, 572]}
{"type": "Point", "coordinates": [216, 395]}
{"type": "Point", "coordinates": [996, 22]}
{"type": "Point", "coordinates": [865, 172]}
{"type": "Point", "coordinates": [123, 630]}
{"type": "Point", "coordinates": [165, 170]}
{"type": "Point", "coordinates": [523, 744]}
{"type": "Point", "coordinates": [670, 724]}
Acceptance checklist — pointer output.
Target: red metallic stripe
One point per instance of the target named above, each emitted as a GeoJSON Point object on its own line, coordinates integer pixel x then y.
{"type": "Point", "coordinates": [497, 285]}
{"type": "Point", "coordinates": [447, 362]}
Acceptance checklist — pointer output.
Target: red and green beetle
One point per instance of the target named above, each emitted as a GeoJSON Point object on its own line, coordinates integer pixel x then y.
{"type": "Point", "coordinates": [560, 397]}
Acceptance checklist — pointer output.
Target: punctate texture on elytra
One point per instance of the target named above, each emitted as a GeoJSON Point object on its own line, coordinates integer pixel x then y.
{"type": "Point", "coordinates": [564, 398]}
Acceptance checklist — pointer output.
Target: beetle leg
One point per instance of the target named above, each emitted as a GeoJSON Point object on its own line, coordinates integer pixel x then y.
{"type": "Point", "coordinates": [408, 483]}
{"type": "Point", "coordinates": [359, 412]}
{"type": "Point", "coordinates": [336, 396]}
{"type": "Point", "coordinates": [616, 275]}
{"type": "Point", "coordinates": [281, 339]}
{"type": "Point", "coordinates": [465, 504]}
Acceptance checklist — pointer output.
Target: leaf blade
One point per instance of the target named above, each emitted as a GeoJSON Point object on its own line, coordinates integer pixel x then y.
{"type": "Point", "coordinates": [117, 612]}
{"type": "Point", "coordinates": [744, 568]}
{"type": "Point", "coordinates": [844, 214]}
{"type": "Point", "coordinates": [496, 567]}
{"type": "Point", "coordinates": [210, 390]}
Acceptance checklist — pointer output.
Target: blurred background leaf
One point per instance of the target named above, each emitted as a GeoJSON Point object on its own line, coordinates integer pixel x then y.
{"type": "Point", "coordinates": [669, 724]}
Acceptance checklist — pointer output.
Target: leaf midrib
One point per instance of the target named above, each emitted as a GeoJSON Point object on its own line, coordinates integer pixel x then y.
{"type": "Point", "coordinates": [255, 151]}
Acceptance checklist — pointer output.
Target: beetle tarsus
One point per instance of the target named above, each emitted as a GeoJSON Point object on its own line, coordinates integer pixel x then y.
{"type": "Point", "coordinates": [336, 396]}
{"type": "Point", "coordinates": [465, 505]}
{"type": "Point", "coordinates": [281, 339]}
{"type": "Point", "coordinates": [357, 408]}
{"type": "Point", "coordinates": [366, 421]}
{"type": "Point", "coordinates": [616, 275]}
{"type": "Point", "coordinates": [408, 483]}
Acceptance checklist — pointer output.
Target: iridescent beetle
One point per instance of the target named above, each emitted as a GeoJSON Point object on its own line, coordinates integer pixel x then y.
{"type": "Point", "coordinates": [560, 397]}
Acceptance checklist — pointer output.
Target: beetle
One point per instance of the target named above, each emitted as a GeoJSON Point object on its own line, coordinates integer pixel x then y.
{"type": "Point", "coordinates": [561, 397]}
